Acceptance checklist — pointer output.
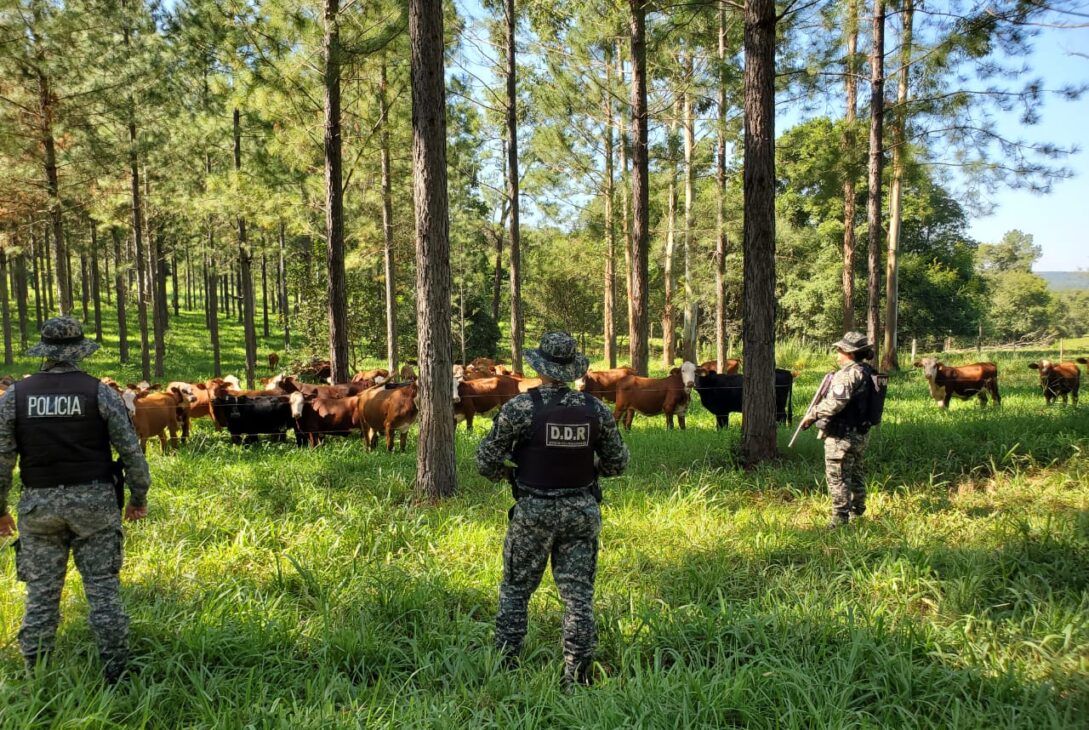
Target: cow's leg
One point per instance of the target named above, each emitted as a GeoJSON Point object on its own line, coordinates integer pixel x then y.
{"type": "Point", "coordinates": [629, 416]}
{"type": "Point", "coordinates": [469, 421]}
{"type": "Point", "coordinates": [948, 397]}
{"type": "Point", "coordinates": [404, 440]}
{"type": "Point", "coordinates": [992, 385]}
{"type": "Point", "coordinates": [162, 441]}
{"type": "Point", "coordinates": [982, 395]}
{"type": "Point", "coordinates": [389, 437]}
{"type": "Point", "coordinates": [669, 421]}
{"type": "Point", "coordinates": [722, 421]}
{"type": "Point", "coordinates": [680, 420]}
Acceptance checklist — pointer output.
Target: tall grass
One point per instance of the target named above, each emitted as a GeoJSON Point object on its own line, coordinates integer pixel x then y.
{"type": "Point", "coordinates": [278, 587]}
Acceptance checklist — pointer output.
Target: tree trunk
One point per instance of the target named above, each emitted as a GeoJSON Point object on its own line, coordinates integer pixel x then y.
{"type": "Point", "coordinates": [625, 195]}
{"type": "Point", "coordinates": [35, 280]}
{"type": "Point", "coordinates": [47, 281]}
{"type": "Point", "coordinates": [46, 106]}
{"type": "Point", "coordinates": [141, 256]}
{"type": "Point", "coordinates": [245, 270]}
{"type": "Point", "coordinates": [668, 315]}
{"type": "Point", "coordinates": [873, 199]}
{"type": "Point", "coordinates": [609, 327]}
{"type": "Point", "coordinates": [889, 358]}
{"type": "Point", "coordinates": [758, 442]}
{"type": "Point", "coordinates": [497, 283]}
{"type": "Point", "coordinates": [106, 274]}
{"type": "Point", "coordinates": [213, 314]}
{"type": "Point", "coordinates": [188, 279]}
{"type": "Point", "coordinates": [84, 289]}
{"type": "Point", "coordinates": [516, 334]}
{"type": "Point", "coordinates": [96, 291]}
{"type": "Point", "coordinates": [120, 284]}
{"type": "Point", "coordinates": [175, 293]}
{"type": "Point", "coordinates": [156, 285]}
{"type": "Point", "coordinates": [436, 475]}
{"type": "Point", "coordinates": [238, 292]}
{"type": "Point", "coordinates": [387, 224]}
{"type": "Point", "coordinates": [849, 195]}
{"type": "Point", "coordinates": [264, 296]}
{"type": "Point", "coordinates": [690, 352]}
{"type": "Point", "coordinates": [21, 298]}
{"type": "Point", "coordinates": [5, 308]}
{"type": "Point", "coordinates": [721, 241]}
{"type": "Point", "coordinates": [283, 287]}
{"type": "Point", "coordinates": [334, 199]}
{"type": "Point", "coordinates": [640, 181]}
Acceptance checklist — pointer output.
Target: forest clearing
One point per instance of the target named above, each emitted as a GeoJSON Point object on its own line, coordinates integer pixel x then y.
{"type": "Point", "coordinates": [274, 586]}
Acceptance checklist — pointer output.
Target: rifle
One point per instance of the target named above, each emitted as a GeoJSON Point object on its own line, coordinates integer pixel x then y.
{"type": "Point", "coordinates": [118, 473]}
{"type": "Point", "coordinates": [821, 392]}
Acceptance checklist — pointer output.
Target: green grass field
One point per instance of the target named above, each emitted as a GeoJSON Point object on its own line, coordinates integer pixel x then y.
{"type": "Point", "coordinates": [277, 587]}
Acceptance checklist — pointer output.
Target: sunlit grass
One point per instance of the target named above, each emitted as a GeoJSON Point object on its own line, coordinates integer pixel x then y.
{"type": "Point", "coordinates": [278, 587]}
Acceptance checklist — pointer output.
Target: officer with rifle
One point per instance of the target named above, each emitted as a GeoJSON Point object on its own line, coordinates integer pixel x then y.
{"type": "Point", "coordinates": [562, 441]}
{"type": "Point", "coordinates": [848, 403]}
{"type": "Point", "coordinates": [59, 424]}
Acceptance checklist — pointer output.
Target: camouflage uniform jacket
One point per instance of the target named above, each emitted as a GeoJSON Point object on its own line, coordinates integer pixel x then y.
{"type": "Point", "coordinates": [122, 436]}
{"type": "Point", "coordinates": [845, 383]}
{"type": "Point", "coordinates": [512, 426]}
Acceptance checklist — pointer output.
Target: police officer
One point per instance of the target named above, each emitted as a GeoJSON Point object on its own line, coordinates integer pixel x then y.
{"type": "Point", "coordinates": [840, 415]}
{"type": "Point", "coordinates": [553, 435]}
{"type": "Point", "coordinates": [60, 423]}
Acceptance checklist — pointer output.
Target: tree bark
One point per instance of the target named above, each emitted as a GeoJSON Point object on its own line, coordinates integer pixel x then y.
{"type": "Point", "coordinates": [175, 293]}
{"type": "Point", "coordinates": [721, 242]}
{"type": "Point", "coordinates": [334, 199]}
{"type": "Point", "coordinates": [84, 289]}
{"type": "Point", "coordinates": [873, 199]}
{"type": "Point", "coordinates": [436, 475]}
{"type": "Point", "coordinates": [283, 287]}
{"type": "Point", "coordinates": [120, 284]}
{"type": "Point", "coordinates": [609, 325]}
{"type": "Point", "coordinates": [156, 284]}
{"type": "Point", "coordinates": [141, 256]}
{"type": "Point", "coordinates": [213, 314]}
{"type": "Point", "coordinates": [516, 334]}
{"type": "Point", "coordinates": [889, 358]}
{"type": "Point", "coordinates": [690, 352]}
{"type": "Point", "coordinates": [387, 224]}
{"type": "Point", "coordinates": [5, 308]}
{"type": "Point", "coordinates": [264, 296]}
{"type": "Point", "coordinates": [245, 270]}
{"type": "Point", "coordinates": [640, 181]}
{"type": "Point", "coordinates": [47, 273]}
{"type": "Point", "coordinates": [668, 315]}
{"type": "Point", "coordinates": [849, 195]}
{"type": "Point", "coordinates": [758, 442]}
{"type": "Point", "coordinates": [96, 291]}
{"type": "Point", "coordinates": [21, 297]}
{"type": "Point", "coordinates": [46, 107]}
{"type": "Point", "coordinates": [625, 196]}
{"type": "Point", "coordinates": [35, 280]}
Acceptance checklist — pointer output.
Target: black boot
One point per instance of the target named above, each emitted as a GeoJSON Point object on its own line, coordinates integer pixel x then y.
{"type": "Point", "coordinates": [115, 669]}
{"type": "Point", "coordinates": [577, 673]}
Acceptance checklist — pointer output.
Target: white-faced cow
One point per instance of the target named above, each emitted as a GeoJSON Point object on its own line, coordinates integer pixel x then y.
{"type": "Point", "coordinates": [650, 396]}
{"type": "Point", "coordinates": [1058, 380]}
{"type": "Point", "coordinates": [963, 382]}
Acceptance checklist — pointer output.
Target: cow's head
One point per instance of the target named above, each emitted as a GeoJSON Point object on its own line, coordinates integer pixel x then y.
{"type": "Point", "coordinates": [129, 398]}
{"type": "Point", "coordinates": [580, 382]}
{"type": "Point", "coordinates": [233, 381]}
{"type": "Point", "coordinates": [457, 394]}
{"type": "Point", "coordinates": [183, 391]}
{"type": "Point", "coordinates": [930, 367]}
{"type": "Point", "coordinates": [1046, 368]}
{"type": "Point", "coordinates": [296, 400]}
{"type": "Point", "coordinates": [688, 374]}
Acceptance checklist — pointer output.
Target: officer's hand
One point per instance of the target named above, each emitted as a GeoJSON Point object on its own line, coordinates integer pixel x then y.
{"type": "Point", "coordinates": [132, 514]}
{"type": "Point", "coordinates": [7, 525]}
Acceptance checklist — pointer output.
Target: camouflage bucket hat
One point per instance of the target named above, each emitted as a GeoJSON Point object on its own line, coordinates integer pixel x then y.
{"type": "Point", "coordinates": [63, 341]}
{"type": "Point", "coordinates": [558, 358]}
{"type": "Point", "coordinates": [852, 342]}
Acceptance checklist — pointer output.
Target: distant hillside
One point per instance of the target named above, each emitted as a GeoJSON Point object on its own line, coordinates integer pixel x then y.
{"type": "Point", "coordinates": [1065, 280]}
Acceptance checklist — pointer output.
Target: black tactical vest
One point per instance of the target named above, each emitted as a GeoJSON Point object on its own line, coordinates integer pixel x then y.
{"type": "Point", "coordinates": [560, 451]}
{"type": "Point", "coordinates": [60, 436]}
{"type": "Point", "coordinates": [856, 416]}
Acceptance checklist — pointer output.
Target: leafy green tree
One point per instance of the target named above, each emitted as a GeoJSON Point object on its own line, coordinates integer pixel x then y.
{"type": "Point", "coordinates": [1016, 252]}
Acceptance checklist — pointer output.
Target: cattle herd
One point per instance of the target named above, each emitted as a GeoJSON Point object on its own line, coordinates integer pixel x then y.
{"type": "Point", "coordinates": [375, 404]}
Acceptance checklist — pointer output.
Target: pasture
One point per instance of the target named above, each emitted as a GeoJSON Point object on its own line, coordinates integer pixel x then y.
{"type": "Point", "coordinates": [277, 587]}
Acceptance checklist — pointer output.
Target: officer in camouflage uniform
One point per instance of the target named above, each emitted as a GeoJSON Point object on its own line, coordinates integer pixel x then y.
{"type": "Point", "coordinates": [553, 434]}
{"type": "Point", "coordinates": [845, 438]}
{"type": "Point", "coordinates": [60, 423]}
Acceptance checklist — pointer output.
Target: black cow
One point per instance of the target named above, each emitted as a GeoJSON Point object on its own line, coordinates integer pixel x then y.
{"type": "Point", "coordinates": [250, 416]}
{"type": "Point", "coordinates": [722, 395]}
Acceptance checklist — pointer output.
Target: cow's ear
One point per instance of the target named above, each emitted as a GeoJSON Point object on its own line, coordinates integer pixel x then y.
{"type": "Point", "coordinates": [154, 386]}
{"type": "Point", "coordinates": [1034, 366]}
{"type": "Point", "coordinates": [200, 386]}
{"type": "Point", "coordinates": [917, 364]}
{"type": "Point", "coordinates": [675, 371]}
{"type": "Point", "coordinates": [702, 372]}
{"type": "Point", "coordinates": [130, 386]}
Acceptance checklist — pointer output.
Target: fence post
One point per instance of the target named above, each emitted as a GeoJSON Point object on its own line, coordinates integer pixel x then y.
{"type": "Point", "coordinates": [914, 350]}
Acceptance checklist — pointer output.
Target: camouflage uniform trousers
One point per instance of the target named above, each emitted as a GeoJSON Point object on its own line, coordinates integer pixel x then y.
{"type": "Point", "coordinates": [843, 469]}
{"type": "Point", "coordinates": [565, 529]}
{"type": "Point", "coordinates": [84, 519]}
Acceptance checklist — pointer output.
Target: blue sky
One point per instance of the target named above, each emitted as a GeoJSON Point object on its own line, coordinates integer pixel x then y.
{"type": "Point", "coordinates": [1059, 221]}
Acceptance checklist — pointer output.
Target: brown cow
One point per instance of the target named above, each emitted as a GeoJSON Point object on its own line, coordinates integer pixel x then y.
{"type": "Point", "coordinates": [651, 396]}
{"type": "Point", "coordinates": [288, 384]}
{"type": "Point", "coordinates": [963, 382]}
{"type": "Point", "coordinates": [317, 416]}
{"type": "Point", "coordinates": [481, 395]}
{"type": "Point", "coordinates": [1058, 380]}
{"type": "Point", "coordinates": [376, 376]}
{"type": "Point", "coordinates": [153, 414]}
{"type": "Point", "coordinates": [386, 409]}
{"type": "Point", "coordinates": [732, 366]}
{"type": "Point", "coordinates": [273, 360]}
{"type": "Point", "coordinates": [602, 383]}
